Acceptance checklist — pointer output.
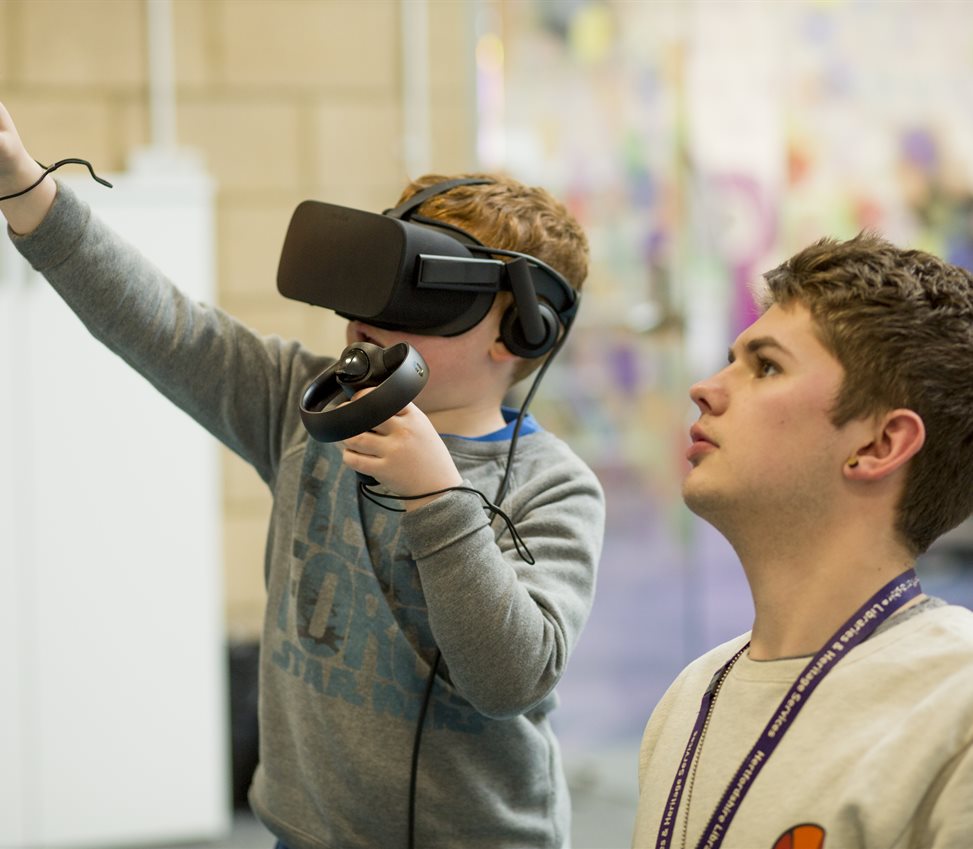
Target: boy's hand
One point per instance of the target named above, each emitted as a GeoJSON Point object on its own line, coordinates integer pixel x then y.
{"type": "Point", "coordinates": [405, 454]}
{"type": "Point", "coordinates": [17, 171]}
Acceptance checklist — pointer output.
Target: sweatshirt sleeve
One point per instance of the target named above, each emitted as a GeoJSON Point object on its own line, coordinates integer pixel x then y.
{"type": "Point", "coordinates": [506, 627]}
{"type": "Point", "coordinates": [229, 379]}
{"type": "Point", "coordinates": [949, 813]}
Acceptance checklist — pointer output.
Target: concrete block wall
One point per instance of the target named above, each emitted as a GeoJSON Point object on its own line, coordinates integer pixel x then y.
{"type": "Point", "coordinates": [285, 100]}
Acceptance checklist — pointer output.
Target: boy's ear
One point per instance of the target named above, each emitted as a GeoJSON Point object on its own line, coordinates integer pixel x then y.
{"type": "Point", "coordinates": [897, 437]}
{"type": "Point", "coordinates": [500, 353]}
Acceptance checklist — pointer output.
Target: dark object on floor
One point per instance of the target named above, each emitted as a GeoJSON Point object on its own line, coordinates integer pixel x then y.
{"type": "Point", "coordinates": [243, 667]}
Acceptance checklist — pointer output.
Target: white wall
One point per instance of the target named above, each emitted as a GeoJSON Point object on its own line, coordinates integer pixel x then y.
{"type": "Point", "coordinates": [113, 728]}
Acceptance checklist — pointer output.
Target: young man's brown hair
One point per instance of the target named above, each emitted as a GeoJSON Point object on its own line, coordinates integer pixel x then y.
{"type": "Point", "coordinates": [900, 322]}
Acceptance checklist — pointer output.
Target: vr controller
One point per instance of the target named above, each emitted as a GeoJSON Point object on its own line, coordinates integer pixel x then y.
{"type": "Point", "coordinates": [398, 374]}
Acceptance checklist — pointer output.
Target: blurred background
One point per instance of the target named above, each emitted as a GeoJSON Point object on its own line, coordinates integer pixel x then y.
{"type": "Point", "coordinates": [700, 143]}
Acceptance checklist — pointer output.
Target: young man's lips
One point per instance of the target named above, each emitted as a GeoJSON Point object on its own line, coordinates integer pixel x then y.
{"type": "Point", "coordinates": [700, 443]}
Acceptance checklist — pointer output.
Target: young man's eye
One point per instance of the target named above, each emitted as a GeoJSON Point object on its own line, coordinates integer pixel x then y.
{"type": "Point", "coordinates": [766, 368]}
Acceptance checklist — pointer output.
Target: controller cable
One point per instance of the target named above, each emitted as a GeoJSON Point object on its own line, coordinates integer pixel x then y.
{"type": "Point", "coordinates": [522, 550]}
{"type": "Point", "coordinates": [49, 168]}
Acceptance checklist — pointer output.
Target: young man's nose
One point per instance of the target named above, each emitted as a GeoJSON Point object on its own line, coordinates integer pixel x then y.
{"type": "Point", "coordinates": [708, 395]}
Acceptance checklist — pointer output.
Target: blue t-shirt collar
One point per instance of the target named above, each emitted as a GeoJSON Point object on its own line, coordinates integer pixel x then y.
{"type": "Point", "coordinates": [510, 414]}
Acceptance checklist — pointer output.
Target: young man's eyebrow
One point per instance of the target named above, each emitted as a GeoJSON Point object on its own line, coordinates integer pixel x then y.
{"type": "Point", "coordinates": [757, 344]}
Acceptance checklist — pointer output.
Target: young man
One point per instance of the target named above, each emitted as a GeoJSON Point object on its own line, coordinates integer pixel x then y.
{"type": "Point", "coordinates": [364, 605]}
{"type": "Point", "coordinates": [831, 451]}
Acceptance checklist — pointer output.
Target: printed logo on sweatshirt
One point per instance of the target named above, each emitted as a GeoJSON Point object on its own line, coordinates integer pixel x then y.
{"type": "Point", "coordinates": [347, 627]}
{"type": "Point", "coordinates": [804, 836]}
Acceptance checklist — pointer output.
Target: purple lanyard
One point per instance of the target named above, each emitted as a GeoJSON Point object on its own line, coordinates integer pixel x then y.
{"type": "Point", "coordinates": [859, 627]}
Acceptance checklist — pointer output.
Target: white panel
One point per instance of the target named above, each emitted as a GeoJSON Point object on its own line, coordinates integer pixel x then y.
{"type": "Point", "coordinates": [13, 716]}
{"type": "Point", "coordinates": [124, 656]}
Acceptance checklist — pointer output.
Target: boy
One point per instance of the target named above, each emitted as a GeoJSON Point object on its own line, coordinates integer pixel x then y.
{"type": "Point", "coordinates": [364, 606]}
{"type": "Point", "coordinates": [831, 451]}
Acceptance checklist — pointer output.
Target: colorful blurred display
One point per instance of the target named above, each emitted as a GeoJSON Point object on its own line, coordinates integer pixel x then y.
{"type": "Point", "coordinates": [700, 144]}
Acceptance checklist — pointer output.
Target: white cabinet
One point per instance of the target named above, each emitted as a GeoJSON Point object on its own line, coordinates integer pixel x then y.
{"type": "Point", "coordinates": [113, 721]}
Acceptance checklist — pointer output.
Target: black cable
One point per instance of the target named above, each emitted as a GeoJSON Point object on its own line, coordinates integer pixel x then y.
{"type": "Point", "coordinates": [414, 771]}
{"type": "Point", "coordinates": [502, 489]}
{"type": "Point", "coordinates": [519, 544]}
{"type": "Point", "coordinates": [48, 169]}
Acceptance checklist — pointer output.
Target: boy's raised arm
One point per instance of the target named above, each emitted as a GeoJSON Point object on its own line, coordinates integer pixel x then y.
{"type": "Point", "coordinates": [18, 171]}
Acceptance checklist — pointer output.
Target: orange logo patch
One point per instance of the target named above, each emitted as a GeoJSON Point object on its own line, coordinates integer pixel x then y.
{"type": "Point", "coordinates": [804, 836]}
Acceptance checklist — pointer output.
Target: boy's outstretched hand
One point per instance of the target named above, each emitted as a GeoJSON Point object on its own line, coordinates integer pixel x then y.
{"type": "Point", "coordinates": [405, 454]}
{"type": "Point", "coordinates": [17, 171]}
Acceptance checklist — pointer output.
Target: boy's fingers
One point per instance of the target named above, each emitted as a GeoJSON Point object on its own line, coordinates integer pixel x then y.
{"type": "Point", "coordinates": [355, 443]}
{"type": "Point", "coordinates": [382, 428]}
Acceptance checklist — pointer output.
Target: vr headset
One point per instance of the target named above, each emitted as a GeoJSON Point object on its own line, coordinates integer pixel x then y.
{"type": "Point", "coordinates": [402, 271]}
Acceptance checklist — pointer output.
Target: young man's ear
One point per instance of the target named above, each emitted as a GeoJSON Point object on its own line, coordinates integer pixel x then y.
{"type": "Point", "coordinates": [898, 436]}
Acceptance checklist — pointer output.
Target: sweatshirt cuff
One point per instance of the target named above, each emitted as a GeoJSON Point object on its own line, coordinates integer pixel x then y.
{"type": "Point", "coordinates": [443, 523]}
{"type": "Point", "coordinates": [57, 236]}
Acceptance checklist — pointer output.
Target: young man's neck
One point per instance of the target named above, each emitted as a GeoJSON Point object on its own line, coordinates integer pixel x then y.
{"type": "Point", "coordinates": [803, 593]}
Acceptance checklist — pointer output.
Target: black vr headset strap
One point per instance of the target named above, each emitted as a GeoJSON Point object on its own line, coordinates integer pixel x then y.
{"type": "Point", "coordinates": [548, 283]}
{"type": "Point", "coordinates": [528, 279]}
{"type": "Point", "coordinates": [525, 297]}
{"type": "Point", "coordinates": [404, 209]}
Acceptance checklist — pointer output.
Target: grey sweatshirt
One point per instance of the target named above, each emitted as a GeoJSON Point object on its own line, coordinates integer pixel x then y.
{"type": "Point", "coordinates": [360, 598]}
